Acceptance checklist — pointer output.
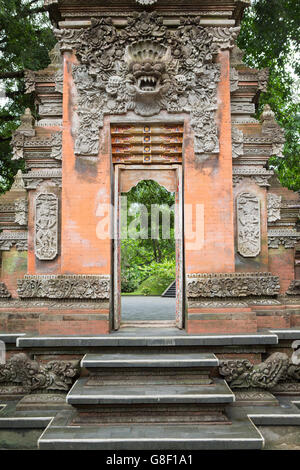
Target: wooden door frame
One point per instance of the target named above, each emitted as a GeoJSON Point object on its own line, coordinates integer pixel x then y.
{"type": "Point", "coordinates": [116, 310]}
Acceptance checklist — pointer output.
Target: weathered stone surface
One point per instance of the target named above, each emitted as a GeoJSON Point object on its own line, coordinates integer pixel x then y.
{"type": "Point", "coordinates": [29, 375]}
{"type": "Point", "coordinates": [232, 284]}
{"type": "Point", "coordinates": [146, 67]}
{"type": "Point", "coordinates": [243, 374]}
{"type": "Point", "coordinates": [46, 226]}
{"type": "Point", "coordinates": [273, 205]}
{"type": "Point", "coordinates": [3, 291]}
{"type": "Point", "coordinates": [65, 287]}
{"type": "Point", "coordinates": [248, 224]}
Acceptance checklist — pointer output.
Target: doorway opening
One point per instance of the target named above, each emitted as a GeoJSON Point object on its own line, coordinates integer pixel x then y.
{"type": "Point", "coordinates": [148, 246]}
{"type": "Point", "coordinates": [148, 255]}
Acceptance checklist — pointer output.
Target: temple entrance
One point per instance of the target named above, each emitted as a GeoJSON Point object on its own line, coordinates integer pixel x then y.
{"type": "Point", "coordinates": [155, 239]}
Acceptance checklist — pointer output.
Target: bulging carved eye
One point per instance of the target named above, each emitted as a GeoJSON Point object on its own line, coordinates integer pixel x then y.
{"type": "Point", "coordinates": [136, 67]}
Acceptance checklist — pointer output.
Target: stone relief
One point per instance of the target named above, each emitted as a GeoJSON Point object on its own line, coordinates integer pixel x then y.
{"type": "Point", "coordinates": [32, 376]}
{"type": "Point", "coordinates": [3, 291]}
{"type": "Point", "coordinates": [232, 285]}
{"type": "Point", "coordinates": [145, 2]}
{"type": "Point", "coordinates": [294, 288]}
{"type": "Point", "coordinates": [273, 206]}
{"type": "Point", "coordinates": [286, 237]}
{"type": "Point", "coordinates": [146, 67]}
{"type": "Point", "coordinates": [241, 373]}
{"type": "Point", "coordinates": [271, 129]}
{"type": "Point", "coordinates": [260, 176]}
{"type": "Point", "coordinates": [33, 179]}
{"type": "Point", "coordinates": [9, 239]}
{"type": "Point", "coordinates": [237, 137]}
{"type": "Point", "coordinates": [248, 224]}
{"type": "Point", "coordinates": [46, 226]}
{"type": "Point", "coordinates": [21, 212]}
{"type": "Point", "coordinates": [65, 287]}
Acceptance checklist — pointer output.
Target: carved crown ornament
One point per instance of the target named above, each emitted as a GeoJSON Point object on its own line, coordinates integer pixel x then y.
{"type": "Point", "coordinates": [145, 67]}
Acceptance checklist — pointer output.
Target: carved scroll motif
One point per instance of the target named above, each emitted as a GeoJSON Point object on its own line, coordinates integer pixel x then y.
{"type": "Point", "coordinates": [248, 225]}
{"type": "Point", "coordinates": [46, 226]}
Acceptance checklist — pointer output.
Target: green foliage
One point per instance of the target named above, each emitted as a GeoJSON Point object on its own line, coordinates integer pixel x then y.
{"type": "Point", "coordinates": [25, 39]}
{"type": "Point", "coordinates": [270, 37]}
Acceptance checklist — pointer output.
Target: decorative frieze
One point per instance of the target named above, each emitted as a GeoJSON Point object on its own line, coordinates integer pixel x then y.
{"type": "Point", "coordinates": [273, 206]}
{"type": "Point", "coordinates": [232, 285]}
{"type": "Point", "coordinates": [65, 287]}
{"type": "Point", "coordinates": [260, 176]}
{"type": "Point", "coordinates": [17, 238]}
{"type": "Point", "coordinates": [145, 2]}
{"type": "Point", "coordinates": [4, 294]}
{"type": "Point", "coordinates": [21, 142]}
{"type": "Point", "coordinates": [46, 226]}
{"type": "Point", "coordinates": [31, 376]}
{"type": "Point", "coordinates": [248, 224]}
{"type": "Point", "coordinates": [286, 237]}
{"type": "Point", "coordinates": [33, 179]}
{"type": "Point", "coordinates": [146, 67]}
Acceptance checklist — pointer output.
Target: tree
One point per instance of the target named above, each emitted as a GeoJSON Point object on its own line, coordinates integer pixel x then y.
{"type": "Point", "coordinates": [25, 40]}
{"type": "Point", "coordinates": [270, 37]}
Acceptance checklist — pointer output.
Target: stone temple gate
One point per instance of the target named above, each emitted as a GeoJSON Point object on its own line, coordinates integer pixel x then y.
{"type": "Point", "coordinates": [148, 89]}
{"type": "Point", "coordinates": [143, 88]}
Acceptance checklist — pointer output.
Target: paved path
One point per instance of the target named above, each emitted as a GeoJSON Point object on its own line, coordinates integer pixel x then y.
{"type": "Point", "coordinates": [143, 308]}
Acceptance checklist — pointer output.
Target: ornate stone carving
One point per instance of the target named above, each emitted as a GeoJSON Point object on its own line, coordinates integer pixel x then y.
{"type": "Point", "coordinates": [29, 77]}
{"type": "Point", "coordinates": [146, 67]}
{"type": "Point", "coordinates": [271, 129]}
{"type": "Point", "coordinates": [9, 239]}
{"type": "Point", "coordinates": [21, 212]}
{"type": "Point", "coordinates": [248, 224]}
{"type": "Point", "coordinates": [3, 291]}
{"type": "Point", "coordinates": [237, 142]}
{"type": "Point", "coordinates": [260, 176]}
{"type": "Point", "coordinates": [65, 287]}
{"type": "Point", "coordinates": [31, 376]}
{"type": "Point", "coordinates": [46, 226]}
{"type": "Point", "coordinates": [273, 205]}
{"type": "Point", "coordinates": [234, 79]}
{"type": "Point", "coordinates": [263, 78]}
{"type": "Point", "coordinates": [294, 288]}
{"type": "Point", "coordinates": [232, 285]}
{"type": "Point", "coordinates": [33, 179]}
{"type": "Point", "coordinates": [225, 38]}
{"type": "Point", "coordinates": [243, 374]}
{"type": "Point", "coordinates": [286, 237]}
{"type": "Point", "coordinates": [56, 145]}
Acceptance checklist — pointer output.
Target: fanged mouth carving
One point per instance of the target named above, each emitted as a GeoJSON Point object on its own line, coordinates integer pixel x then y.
{"type": "Point", "coordinates": [147, 83]}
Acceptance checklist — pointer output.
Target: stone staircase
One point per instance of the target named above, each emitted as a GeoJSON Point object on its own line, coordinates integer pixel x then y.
{"type": "Point", "coordinates": [150, 399]}
{"type": "Point", "coordinates": [170, 291]}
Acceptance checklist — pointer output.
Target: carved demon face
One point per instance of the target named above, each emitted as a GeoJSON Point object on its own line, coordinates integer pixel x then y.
{"type": "Point", "coordinates": [147, 76]}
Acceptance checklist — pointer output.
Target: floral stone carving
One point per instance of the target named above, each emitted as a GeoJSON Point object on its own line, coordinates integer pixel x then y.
{"type": "Point", "coordinates": [273, 205]}
{"type": "Point", "coordinates": [248, 224]}
{"type": "Point", "coordinates": [46, 226]}
{"type": "Point", "coordinates": [65, 287]}
{"type": "Point", "coordinates": [146, 67]}
{"type": "Point", "coordinates": [31, 376]}
{"type": "Point", "coordinates": [232, 285]}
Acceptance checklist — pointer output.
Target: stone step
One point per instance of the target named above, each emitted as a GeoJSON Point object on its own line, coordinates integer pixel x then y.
{"type": "Point", "coordinates": [149, 359]}
{"type": "Point", "coordinates": [82, 394]}
{"type": "Point", "coordinates": [152, 337]}
{"type": "Point", "coordinates": [241, 434]}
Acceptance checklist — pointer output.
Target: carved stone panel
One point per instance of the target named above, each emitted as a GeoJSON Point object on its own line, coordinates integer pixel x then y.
{"type": "Point", "coordinates": [248, 224]}
{"type": "Point", "coordinates": [65, 287]}
{"type": "Point", "coordinates": [273, 204]}
{"type": "Point", "coordinates": [231, 285]}
{"type": "Point", "coordinates": [46, 226]}
{"type": "Point", "coordinates": [146, 67]}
